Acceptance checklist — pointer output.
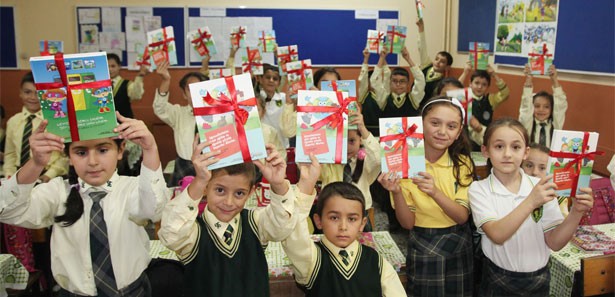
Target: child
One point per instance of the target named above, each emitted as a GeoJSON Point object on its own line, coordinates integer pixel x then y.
{"type": "Point", "coordinates": [366, 97]}
{"type": "Point", "coordinates": [362, 169]}
{"type": "Point", "coordinates": [434, 70]}
{"type": "Point", "coordinates": [179, 118]}
{"type": "Point", "coordinates": [267, 87]}
{"type": "Point", "coordinates": [448, 84]}
{"type": "Point", "coordinates": [517, 239]}
{"type": "Point", "coordinates": [339, 265]}
{"type": "Point", "coordinates": [222, 249]}
{"type": "Point", "coordinates": [484, 103]}
{"type": "Point", "coordinates": [125, 91]}
{"type": "Point", "coordinates": [270, 134]}
{"type": "Point", "coordinates": [439, 261]}
{"type": "Point", "coordinates": [391, 88]}
{"type": "Point", "coordinates": [542, 112]}
{"type": "Point", "coordinates": [536, 165]}
{"type": "Point", "coordinates": [98, 247]}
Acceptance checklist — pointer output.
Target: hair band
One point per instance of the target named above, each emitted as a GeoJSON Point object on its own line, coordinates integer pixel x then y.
{"type": "Point", "coordinates": [451, 100]}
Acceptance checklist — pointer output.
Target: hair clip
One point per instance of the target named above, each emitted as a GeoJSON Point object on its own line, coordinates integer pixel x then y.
{"type": "Point", "coordinates": [75, 186]}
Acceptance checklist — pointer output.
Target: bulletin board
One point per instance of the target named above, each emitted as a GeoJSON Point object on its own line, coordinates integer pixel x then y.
{"type": "Point", "coordinates": [8, 50]}
{"type": "Point", "coordinates": [585, 33]}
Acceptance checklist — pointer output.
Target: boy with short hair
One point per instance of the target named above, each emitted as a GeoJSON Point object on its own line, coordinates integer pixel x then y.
{"type": "Point", "coordinates": [339, 265]}
{"type": "Point", "coordinates": [434, 71]}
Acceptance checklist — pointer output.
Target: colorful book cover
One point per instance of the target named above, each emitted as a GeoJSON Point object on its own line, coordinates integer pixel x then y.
{"type": "Point", "coordinates": [396, 39]}
{"type": "Point", "coordinates": [540, 60]}
{"type": "Point", "coordinates": [288, 53]}
{"type": "Point", "coordinates": [238, 36]}
{"type": "Point", "coordinates": [50, 47]}
{"type": "Point", "coordinates": [299, 74]}
{"type": "Point", "coordinates": [229, 130]}
{"type": "Point", "coordinates": [569, 175]}
{"type": "Point", "coordinates": [419, 8]}
{"type": "Point", "coordinates": [348, 86]}
{"type": "Point", "coordinates": [591, 239]}
{"type": "Point", "coordinates": [161, 46]}
{"type": "Point", "coordinates": [219, 73]}
{"type": "Point", "coordinates": [479, 55]}
{"type": "Point", "coordinates": [251, 61]}
{"type": "Point", "coordinates": [266, 41]}
{"type": "Point", "coordinates": [375, 41]}
{"type": "Point", "coordinates": [202, 41]}
{"type": "Point", "coordinates": [87, 76]}
{"type": "Point", "coordinates": [143, 57]}
{"type": "Point", "coordinates": [465, 97]}
{"type": "Point", "coordinates": [402, 139]}
{"type": "Point", "coordinates": [319, 130]}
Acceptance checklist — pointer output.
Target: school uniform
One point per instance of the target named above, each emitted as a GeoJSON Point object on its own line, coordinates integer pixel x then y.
{"type": "Point", "coordinates": [128, 205]}
{"type": "Point", "coordinates": [270, 135]}
{"type": "Point", "coordinates": [432, 78]}
{"type": "Point", "coordinates": [126, 91]}
{"type": "Point", "coordinates": [440, 260]}
{"type": "Point", "coordinates": [397, 105]}
{"type": "Point", "coordinates": [369, 107]}
{"type": "Point", "coordinates": [273, 114]}
{"type": "Point", "coordinates": [181, 119]}
{"type": "Point", "coordinates": [482, 110]}
{"type": "Point", "coordinates": [533, 126]}
{"type": "Point", "coordinates": [519, 265]}
{"type": "Point", "coordinates": [58, 163]}
{"type": "Point", "coordinates": [288, 123]}
{"type": "Point", "coordinates": [215, 265]}
{"type": "Point", "coordinates": [323, 271]}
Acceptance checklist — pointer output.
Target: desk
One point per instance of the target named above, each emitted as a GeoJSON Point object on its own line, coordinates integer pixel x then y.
{"type": "Point", "coordinates": [480, 165]}
{"type": "Point", "coordinates": [13, 275]}
{"type": "Point", "coordinates": [567, 261]}
{"type": "Point", "coordinates": [281, 279]}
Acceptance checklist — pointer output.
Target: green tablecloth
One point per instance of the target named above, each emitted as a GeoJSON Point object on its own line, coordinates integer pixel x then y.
{"type": "Point", "coordinates": [279, 265]}
{"type": "Point", "coordinates": [13, 275]}
{"type": "Point", "coordinates": [566, 261]}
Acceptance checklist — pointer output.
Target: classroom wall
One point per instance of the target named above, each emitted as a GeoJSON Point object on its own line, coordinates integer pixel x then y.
{"type": "Point", "coordinates": [591, 98]}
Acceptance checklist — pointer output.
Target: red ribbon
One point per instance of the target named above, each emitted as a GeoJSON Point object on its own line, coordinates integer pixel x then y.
{"type": "Point", "coordinates": [264, 39]}
{"type": "Point", "coordinates": [45, 51]}
{"type": "Point", "coordinates": [70, 104]}
{"type": "Point", "coordinates": [251, 56]}
{"type": "Point", "coordinates": [577, 161]}
{"type": "Point", "coordinates": [300, 72]}
{"type": "Point", "coordinates": [224, 104]}
{"type": "Point", "coordinates": [200, 41]}
{"type": "Point", "coordinates": [376, 40]}
{"type": "Point", "coordinates": [403, 142]}
{"type": "Point", "coordinates": [144, 58]}
{"type": "Point", "coordinates": [476, 51]}
{"type": "Point", "coordinates": [164, 42]}
{"type": "Point", "coordinates": [465, 105]}
{"type": "Point", "coordinates": [334, 120]}
{"type": "Point", "coordinates": [286, 57]}
{"type": "Point", "coordinates": [237, 35]}
{"type": "Point", "coordinates": [541, 57]}
{"type": "Point", "coordinates": [393, 33]}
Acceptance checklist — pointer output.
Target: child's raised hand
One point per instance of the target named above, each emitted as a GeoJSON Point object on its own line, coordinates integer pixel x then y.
{"type": "Point", "coordinates": [552, 72]}
{"type": "Point", "coordinates": [135, 131]}
{"type": "Point", "coordinates": [468, 68]}
{"type": "Point", "coordinates": [309, 174]}
{"type": "Point", "coordinates": [421, 25]}
{"type": "Point", "coordinates": [405, 53]}
{"type": "Point", "coordinates": [201, 161]}
{"type": "Point", "coordinates": [390, 181]}
{"type": "Point", "coordinates": [43, 144]}
{"type": "Point", "coordinates": [356, 118]}
{"type": "Point", "coordinates": [163, 70]}
{"type": "Point", "coordinates": [143, 70]}
{"type": "Point", "coordinates": [475, 124]}
{"type": "Point", "coordinates": [365, 54]}
{"type": "Point", "coordinates": [426, 184]}
{"type": "Point", "coordinates": [274, 167]}
{"type": "Point", "coordinates": [206, 59]}
{"type": "Point", "coordinates": [527, 71]}
{"type": "Point", "coordinates": [490, 70]}
{"type": "Point", "coordinates": [582, 203]}
{"type": "Point", "coordinates": [543, 192]}
{"type": "Point", "coordinates": [234, 50]}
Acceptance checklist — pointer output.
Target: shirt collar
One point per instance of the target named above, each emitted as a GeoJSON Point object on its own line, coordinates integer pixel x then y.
{"type": "Point", "coordinates": [108, 186]}
{"type": "Point", "coordinates": [116, 79]}
{"type": "Point", "coordinates": [352, 249]}
{"type": "Point", "coordinates": [26, 113]}
{"type": "Point", "coordinates": [218, 226]}
{"type": "Point", "coordinates": [527, 184]}
{"type": "Point", "coordinates": [444, 160]}
{"type": "Point", "coordinates": [547, 121]}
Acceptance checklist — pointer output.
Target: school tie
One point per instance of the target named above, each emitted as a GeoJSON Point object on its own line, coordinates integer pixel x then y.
{"type": "Point", "coordinates": [347, 173]}
{"type": "Point", "coordinates": [99, 249]}
{"type": "Point", "coordinates": [25, 141]}
{"type": "Point", "coordinates": [344, 255]}
{"type": "Point", "coordinates": [228, 235]}
{"type": "Point", "coordinates": [542, 140]}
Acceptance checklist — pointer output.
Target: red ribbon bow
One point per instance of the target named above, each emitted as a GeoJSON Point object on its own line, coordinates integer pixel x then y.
{"type": "Point", "coordinates": [70, 103]}
{"type": "Point", "coordinates": [287, 57]}
{"type": "Point", "coordinates": [541, 58]}
{"type": "Point", "coordinates": [577, 161]}
{"type": "Point", "coordinates": [376, 40]}
{"type": "Point", "coordinates": [264, 39]}
{"type": "Point", "coordinates": [300, 72]}
{"type": "Point", "coordinates": [199, 42]}
{"type": "Point", "coordinates": [334, 120]}
{"type": "Point", "coordinates": [251, 56]}
{"type": "Point", "coordinates": [237, 35]}
{"type": "Point", "coordinates": [164, 42]}
{"type": "Point", "coordinates": [226, 103]}
{"type": "Point", "coordinates": [475, 52]}
{"type": "Point", "coordinates": [403, 142]}
{"type": "Point", "coordinates": [144, 58]}
{"type": "Point", "coordinates": [392, 34]}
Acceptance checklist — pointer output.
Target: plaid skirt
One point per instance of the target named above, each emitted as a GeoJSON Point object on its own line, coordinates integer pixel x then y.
{"type": "Point", "coordinates": [182, 168]}
{"type": "Point", "coordinates": [439, 261]}
{"type": "Point", "coordinates": [501, 282]}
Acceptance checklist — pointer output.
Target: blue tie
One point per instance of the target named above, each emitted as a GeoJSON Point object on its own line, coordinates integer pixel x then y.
{"type": "Point", "coordinates": [99, 249]}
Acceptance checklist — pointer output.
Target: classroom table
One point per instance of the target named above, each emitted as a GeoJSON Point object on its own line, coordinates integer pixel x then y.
{"type": "Point", "coordinates": [480, 165]}
{"type": "Point", "coordinates": [566, 264]}
{"type": "Point", "coordinates": [13, 275]}
{"type": "Point", "coordinates": [281, 278]}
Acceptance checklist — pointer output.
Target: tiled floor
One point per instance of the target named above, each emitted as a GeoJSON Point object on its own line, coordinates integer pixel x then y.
{"type": "Point", "coordinates": [382, 224]}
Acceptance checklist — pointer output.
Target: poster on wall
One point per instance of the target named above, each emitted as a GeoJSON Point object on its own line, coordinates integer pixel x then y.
{"type": "Point", "coordinates": [525, 26]}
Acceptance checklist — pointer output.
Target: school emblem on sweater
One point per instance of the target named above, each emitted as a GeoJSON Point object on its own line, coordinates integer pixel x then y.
{"type": "Point", "coordinates": [537, 214]}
